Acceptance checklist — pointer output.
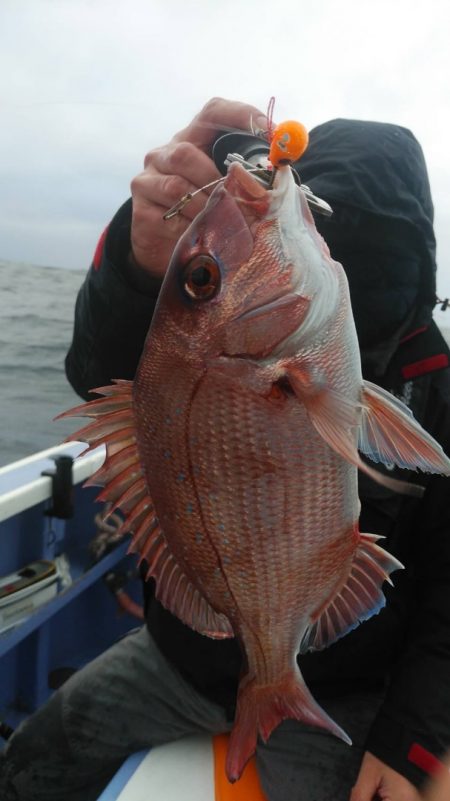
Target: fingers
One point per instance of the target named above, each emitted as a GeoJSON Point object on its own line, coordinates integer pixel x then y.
{"type": "Point", "coordinates": [182, 159]}
{"type": "Point", "coordinates": [153, 239]}
{"type": "Point", "coordinates": [173, 171]}
{"type": "Point", "coordinates": [367, 784]}
{"type": "Point", "coordinates": [170, 172]}
{"type": "Point", "coordinates": [219, 114]}
{"type": "Point", "coordinates": [376, 780]}
{"type": "Point", "coordinates": [149, 189]}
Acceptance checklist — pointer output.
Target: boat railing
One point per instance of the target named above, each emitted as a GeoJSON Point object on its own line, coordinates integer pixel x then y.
{"type": "Point", "coordinates": [27, 482]}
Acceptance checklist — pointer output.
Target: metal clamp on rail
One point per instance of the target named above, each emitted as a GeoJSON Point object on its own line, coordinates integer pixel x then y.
{"type": "Point", "coordinates": [62, 488]}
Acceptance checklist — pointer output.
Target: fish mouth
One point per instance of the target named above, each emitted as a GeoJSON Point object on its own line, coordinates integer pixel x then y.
{"type": "Point", "coordinates": [257, 203]}
{"type": "Point", "coordinates": [251, 196]}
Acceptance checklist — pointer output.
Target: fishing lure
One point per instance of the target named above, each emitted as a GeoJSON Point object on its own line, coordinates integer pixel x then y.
{"type": "Point", "coordinates": [288, 141]}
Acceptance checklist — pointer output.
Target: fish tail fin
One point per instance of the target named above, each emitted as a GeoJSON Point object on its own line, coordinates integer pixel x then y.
{"type": "Point", "coordinates": [261, 708]}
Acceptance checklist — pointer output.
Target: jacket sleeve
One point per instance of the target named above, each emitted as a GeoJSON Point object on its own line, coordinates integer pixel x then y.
{"type": "Point", "coordinates": [416, 709]}
{"type": "Point", "coordinates": [111, 317]}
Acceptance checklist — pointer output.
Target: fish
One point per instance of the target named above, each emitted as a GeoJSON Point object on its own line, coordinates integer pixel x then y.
{"type": "Point", "coordinates": [234, 453]}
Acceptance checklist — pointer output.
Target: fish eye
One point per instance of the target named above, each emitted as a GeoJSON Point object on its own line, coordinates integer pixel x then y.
{"type": "Point", "coordinates": [201, 277]}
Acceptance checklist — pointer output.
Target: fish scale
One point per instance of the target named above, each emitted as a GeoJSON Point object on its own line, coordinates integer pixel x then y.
{"type": "Point", "coordinates": [255, 514]}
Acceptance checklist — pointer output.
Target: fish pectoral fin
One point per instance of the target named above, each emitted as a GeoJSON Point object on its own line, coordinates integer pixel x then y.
{"type": "Point", "coordinates": [328, 407]}
{"type": "Point", "coordinates": [338, 421]}
{"type": "Point", "coordinates": [359, 598]}
{"type": "Point", "coordinates": [257, 332]}
{"type": "Point", "coordinates": [389, 433]}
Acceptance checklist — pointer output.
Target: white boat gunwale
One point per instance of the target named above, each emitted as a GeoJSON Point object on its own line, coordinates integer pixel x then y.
{"type": "Point", "coordinates": [22, 484]}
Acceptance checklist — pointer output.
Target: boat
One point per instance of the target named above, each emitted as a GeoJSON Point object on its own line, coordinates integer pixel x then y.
{"type": "Point", "coordinates": [51, 584]}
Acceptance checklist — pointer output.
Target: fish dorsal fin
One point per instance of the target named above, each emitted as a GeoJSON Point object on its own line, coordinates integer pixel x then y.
{"type": "Point", "coordinates": [338, 420]}
{"type": "Point", "coordinates": [359, 598]}
{"type": "Point", "coordinates": [389, 433]}
{"type": "Point", "coordinates": [125, 488]}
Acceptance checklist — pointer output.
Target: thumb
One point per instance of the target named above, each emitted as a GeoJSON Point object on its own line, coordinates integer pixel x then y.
{"type": "Point", "coordinates": [221, 114]}
{"type": "Point", "coordinates": [368, 781]}
{"type": "Point", "coordinates": [364, 790]}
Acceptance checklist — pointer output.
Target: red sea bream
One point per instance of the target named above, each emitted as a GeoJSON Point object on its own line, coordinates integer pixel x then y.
{"type": "Point", "coordinates": [235, 451]}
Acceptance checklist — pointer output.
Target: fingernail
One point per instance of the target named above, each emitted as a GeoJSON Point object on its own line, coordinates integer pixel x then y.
{"type": "Point", "coordinates": [260, 123]}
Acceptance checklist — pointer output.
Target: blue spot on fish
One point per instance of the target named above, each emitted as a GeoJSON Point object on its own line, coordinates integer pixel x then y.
{"type": "Point", "coordinates": [167, 454]}
{"type": "Point", "coordinates": [221, 527]}
{"type": "Point", "coordinates": [189, 508]}
{"type": "Point", "coordinates": [198, 536]}
{"type": "Point", "coordinates": [181, 477]}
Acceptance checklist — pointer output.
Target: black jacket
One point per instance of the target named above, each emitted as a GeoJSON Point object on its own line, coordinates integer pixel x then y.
{"type": "Point", "coordinates": [382, 202]}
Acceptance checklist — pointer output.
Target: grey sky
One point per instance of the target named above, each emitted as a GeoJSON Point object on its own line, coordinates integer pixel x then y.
{"type": "Point", "coordinates": [88, 87]}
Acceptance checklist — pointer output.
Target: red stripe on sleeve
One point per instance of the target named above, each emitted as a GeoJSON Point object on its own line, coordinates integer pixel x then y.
{"type": "Point", "coordinates": [425, 760]}
{"type": "Point", "coordinates": [425, 366]}
{"type": "Point", "coordinates": [413, 334]}
{"type": "Point", "coordinates": [97, 260]}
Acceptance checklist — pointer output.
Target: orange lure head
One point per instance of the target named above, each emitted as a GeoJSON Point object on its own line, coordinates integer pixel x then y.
{"type": "Point", "coordinates": [289, 141]}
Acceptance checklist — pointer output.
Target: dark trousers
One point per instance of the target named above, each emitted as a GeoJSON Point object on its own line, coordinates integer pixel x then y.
{"type": "Point", "coordinates": [131, 698]}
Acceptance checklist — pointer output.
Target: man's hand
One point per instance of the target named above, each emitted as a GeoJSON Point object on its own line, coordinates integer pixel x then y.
{"type": "Point", "coordinates": [170, 172]}
{"type": "Point", "coordinates": [376, 781]}
{"type": "Point", "coordinates": [439, 788]}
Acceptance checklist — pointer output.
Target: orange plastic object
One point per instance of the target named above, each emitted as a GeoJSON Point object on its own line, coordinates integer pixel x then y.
{"type": "Point", "coordinates": [289, 142]}
{"type": "Point", "coordinates": [248, 788]}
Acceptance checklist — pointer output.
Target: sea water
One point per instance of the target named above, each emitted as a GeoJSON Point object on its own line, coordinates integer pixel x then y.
{"type": "Point", "coordinates": [36, 321]}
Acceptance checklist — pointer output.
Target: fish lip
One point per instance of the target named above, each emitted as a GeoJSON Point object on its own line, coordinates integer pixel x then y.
{"type": "Point", "coordinates": [249, 195]}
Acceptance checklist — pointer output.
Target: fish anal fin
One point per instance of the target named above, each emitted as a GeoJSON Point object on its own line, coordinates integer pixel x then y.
{"type": "Point", "coordinates": [359, 598]}
{"type": "Point", "coordinates": [389, 433]}
{"type": "Point", "coordinates": [174, 589]}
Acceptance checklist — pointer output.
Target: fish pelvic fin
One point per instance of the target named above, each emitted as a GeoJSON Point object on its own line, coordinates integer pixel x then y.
{"type": "Point", "coordinates": [359, 598]}
{"type": "Point", "coordinates": [125, 487]}
{"type": "Point", "coordinates": [338, 421]}
{"type": "Point", "coordinates": [389, 433]}
{"type": "Point", "coordinates": [261, 708]}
